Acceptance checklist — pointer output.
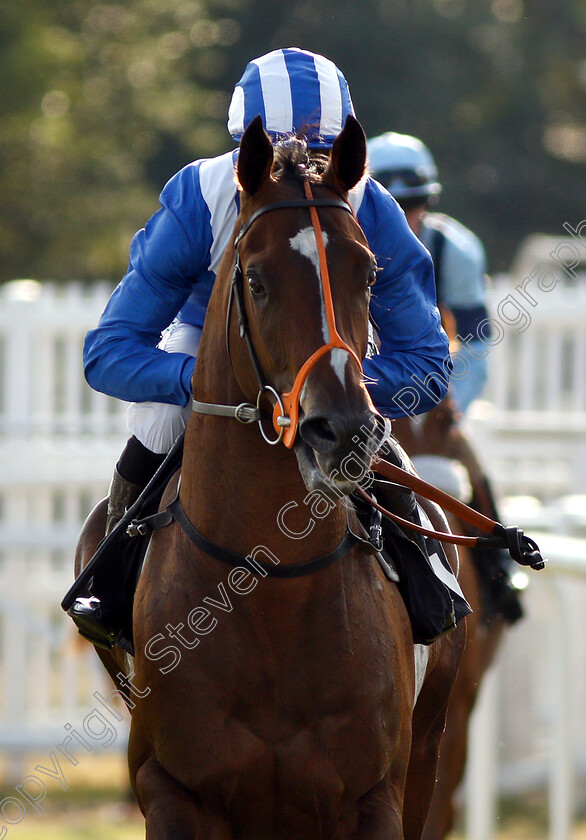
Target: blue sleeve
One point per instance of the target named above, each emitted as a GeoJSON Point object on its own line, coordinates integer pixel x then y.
{"type": "Point", "coordinates": [410, 376]}
{"type": "Point", "coordinates": [166, 256]}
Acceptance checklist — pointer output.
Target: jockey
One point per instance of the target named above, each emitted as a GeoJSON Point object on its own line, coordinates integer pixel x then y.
{"type": "Point", "coordinates": [175, 257]}
{"type": "Point", "coordinates": [405, 166]}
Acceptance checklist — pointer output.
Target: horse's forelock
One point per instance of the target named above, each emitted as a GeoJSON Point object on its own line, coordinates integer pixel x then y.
{"type": "Point", "coordinates": [295, 162]}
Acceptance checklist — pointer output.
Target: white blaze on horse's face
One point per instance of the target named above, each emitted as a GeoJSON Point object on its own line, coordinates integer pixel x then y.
{"type": "Point", "coordinates": [304, 243]}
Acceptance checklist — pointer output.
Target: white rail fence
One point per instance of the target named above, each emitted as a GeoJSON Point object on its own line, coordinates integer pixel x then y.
{"type": "Point", "coordinates": [58, 444]}
{"type": "Point", "coordinates": [529, 727]}
{"type": "Point", "coordinates": [532, 425]}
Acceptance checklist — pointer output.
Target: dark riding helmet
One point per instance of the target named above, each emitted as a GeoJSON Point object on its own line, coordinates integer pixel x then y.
{"type": "Point", "coordinates": [295, 92]}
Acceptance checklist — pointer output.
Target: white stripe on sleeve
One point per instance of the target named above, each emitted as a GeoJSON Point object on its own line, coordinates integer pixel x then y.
{"type": "Point", "coordinates": [218, 187]}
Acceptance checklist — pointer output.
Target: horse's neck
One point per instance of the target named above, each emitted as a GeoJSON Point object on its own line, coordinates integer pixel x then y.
{"type": "Point", "coordinates": [240, 492]}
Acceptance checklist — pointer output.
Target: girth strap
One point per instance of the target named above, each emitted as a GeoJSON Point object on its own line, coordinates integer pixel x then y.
{"type": "Point", "coordinates": [175, 511]}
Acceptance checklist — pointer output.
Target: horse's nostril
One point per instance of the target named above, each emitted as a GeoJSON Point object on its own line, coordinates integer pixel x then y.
{"type": "Point", "coordinates": [337, 433]}
{"type": "Point", "coordinates": [319, 433]}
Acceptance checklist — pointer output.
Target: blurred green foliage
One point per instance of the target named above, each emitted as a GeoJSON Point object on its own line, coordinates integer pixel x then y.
{"type": "Point", "coordinates": [101, 102]}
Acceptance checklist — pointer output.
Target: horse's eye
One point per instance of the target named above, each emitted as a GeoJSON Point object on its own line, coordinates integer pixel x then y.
{"type": "Point", "coordinates": [372, 277]}
{"type": "Point", "coordinates": [256, 287]}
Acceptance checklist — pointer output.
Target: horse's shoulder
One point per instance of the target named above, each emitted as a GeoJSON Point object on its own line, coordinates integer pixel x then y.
{"type": "Point", "coordinates": [170, 490]}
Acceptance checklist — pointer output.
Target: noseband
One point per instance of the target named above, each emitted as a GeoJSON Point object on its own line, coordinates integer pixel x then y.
{"type": "Point", "coordinates": [286, 408]}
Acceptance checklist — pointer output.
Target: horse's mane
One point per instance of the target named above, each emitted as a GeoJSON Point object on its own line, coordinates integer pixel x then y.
{"type": "Point", "coordinates": [293, 161]}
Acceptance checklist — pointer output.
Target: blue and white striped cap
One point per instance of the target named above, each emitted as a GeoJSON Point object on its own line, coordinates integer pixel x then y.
{"type": "Point", "coordinates": [294, 91]}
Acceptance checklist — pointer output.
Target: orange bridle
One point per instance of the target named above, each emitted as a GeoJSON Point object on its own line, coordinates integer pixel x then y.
{"type": "Point", "coordinates": [286, 414]}
{"type": "Point", "coordinates": [286, 408]}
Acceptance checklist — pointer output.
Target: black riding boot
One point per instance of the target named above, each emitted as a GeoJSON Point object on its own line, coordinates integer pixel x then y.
{"type": "Point", "coordinates": [98, 615]}
{"type": "Point", "coordinates": [121, 495]}
{"type": "Point", "coordinates": [433, 607]}
{"type": "Point", "coordinates": [501, 598]}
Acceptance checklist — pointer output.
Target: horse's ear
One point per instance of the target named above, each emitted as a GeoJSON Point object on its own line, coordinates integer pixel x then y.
{"type": "Point", "coordinates": [255, 157]}
{"type": "Point", "coordinates": [348, 158]}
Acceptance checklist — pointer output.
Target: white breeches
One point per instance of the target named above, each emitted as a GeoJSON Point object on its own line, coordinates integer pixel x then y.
{"type": "Point", "coordinates": [157, 425]}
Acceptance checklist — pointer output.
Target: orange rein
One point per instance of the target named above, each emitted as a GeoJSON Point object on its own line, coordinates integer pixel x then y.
{"type": "Point", "coordinates": [290, 400]}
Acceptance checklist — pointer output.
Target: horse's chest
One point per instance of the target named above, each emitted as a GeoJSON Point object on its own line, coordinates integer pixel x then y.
{"type": "Point", "coordinates": [319, 706]}
{"type": "Point", "coordinates": [309, 727]}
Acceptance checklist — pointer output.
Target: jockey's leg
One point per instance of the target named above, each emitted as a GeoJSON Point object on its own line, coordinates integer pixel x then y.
{"type": "Point", "coordinates": [429, 589]}
{"type": "Point", "coordinates": [101, 612]}
{"type": "Point", "coordinates": [440, 433]}
{"type": "Point", "coordinates": [136, 466]}
{"type": "Point", "coordinates": [154, 427]}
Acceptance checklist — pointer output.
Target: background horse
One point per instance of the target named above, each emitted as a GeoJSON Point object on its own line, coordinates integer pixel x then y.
{"type": "Point", "coordinates": [293, 706]}
{"type": "Point", "coordinates": [439, 435]}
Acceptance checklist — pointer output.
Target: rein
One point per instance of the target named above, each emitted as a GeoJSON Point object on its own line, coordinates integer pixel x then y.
{"type": "Point", "coordinates": [521, 547]}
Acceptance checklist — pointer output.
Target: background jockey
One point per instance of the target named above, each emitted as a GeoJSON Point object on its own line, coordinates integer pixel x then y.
{"type": "Point", "coordinates": [405, 166]}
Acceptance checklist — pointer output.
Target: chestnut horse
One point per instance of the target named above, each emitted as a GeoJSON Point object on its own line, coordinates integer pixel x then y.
{"type": "Point", "coordinates": [296, 706]}
{"type": "Point", "coordinates": [440, 435]}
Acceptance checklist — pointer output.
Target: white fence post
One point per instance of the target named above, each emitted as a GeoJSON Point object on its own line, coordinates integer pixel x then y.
{"type": "Point", "coordinates": [481, 772]}
{"type": "Point", "coordinates": [561, 773]}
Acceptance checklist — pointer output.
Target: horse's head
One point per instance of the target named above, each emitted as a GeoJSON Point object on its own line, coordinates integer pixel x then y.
{"type": "Point", "coordinates": [306, 272]}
